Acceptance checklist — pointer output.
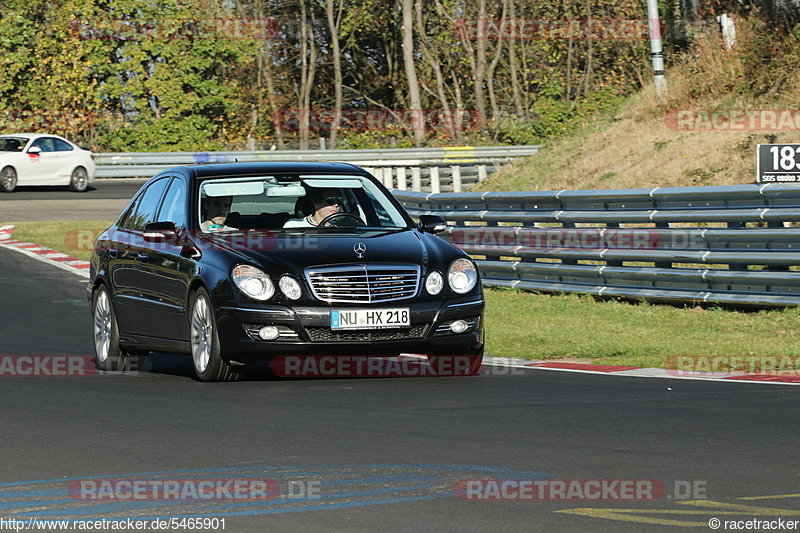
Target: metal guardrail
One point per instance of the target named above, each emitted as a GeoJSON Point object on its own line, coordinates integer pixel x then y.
{"type": "Point", "coordinates": [733, 245]}
{"type": "Point", "coordinates": [433, 169]}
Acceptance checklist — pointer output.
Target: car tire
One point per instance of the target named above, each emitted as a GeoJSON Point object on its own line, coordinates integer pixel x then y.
{"type": "Point", "coordinates": [8, 179]}
{"type": "Point", "coordinates": [79, 181]}
{"type": "Point", "coordinates": [108, 354]}
{"type": "Point", "coordinates": [206, 360]}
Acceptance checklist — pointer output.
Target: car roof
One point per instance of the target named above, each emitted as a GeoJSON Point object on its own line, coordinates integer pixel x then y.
{"type": "Point", "coordinates": [216, 170]}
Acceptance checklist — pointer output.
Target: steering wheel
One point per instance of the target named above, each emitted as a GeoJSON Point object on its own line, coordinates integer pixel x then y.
{"type": "Point", "coordinates": [328, 219]}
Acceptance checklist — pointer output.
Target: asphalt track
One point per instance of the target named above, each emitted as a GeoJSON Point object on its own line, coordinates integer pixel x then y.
{"type": "Point", "coordinates": [376, 454]}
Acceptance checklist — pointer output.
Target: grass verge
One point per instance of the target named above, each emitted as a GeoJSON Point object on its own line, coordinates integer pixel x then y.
{"type": "Point", "coordinates": [537, 326]}
{"type": "Point", "coordinates": [73, 237]}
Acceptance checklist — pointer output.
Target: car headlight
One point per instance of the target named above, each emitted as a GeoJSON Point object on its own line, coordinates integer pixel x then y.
{"type": "Point", "coordinates": [253, 282]}
{"type": "Point", "coordinates": [290, 287]}
{"type": "Point", "coordinates": [434, 283]}
{"type": "Point", "coordinates": [462, 275]}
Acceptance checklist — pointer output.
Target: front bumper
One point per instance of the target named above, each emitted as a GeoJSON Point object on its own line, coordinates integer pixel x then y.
{"type": "Point", "coordinates": [306, 331]}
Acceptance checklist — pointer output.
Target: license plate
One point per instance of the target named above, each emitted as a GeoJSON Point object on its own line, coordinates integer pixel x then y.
{"type": "Point", "coordinates": [370, 318]}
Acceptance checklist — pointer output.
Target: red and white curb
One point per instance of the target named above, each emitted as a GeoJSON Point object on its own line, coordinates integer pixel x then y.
{"type": "Point", "coordinates": [637, 372]}
{"type": "Point", "coordinates": [42, 253]}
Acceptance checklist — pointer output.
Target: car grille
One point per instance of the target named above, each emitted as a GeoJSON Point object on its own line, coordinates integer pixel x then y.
{"type": "Point", "coordinates": [364, 283]}
{"type": "Point", "coordinates": [327, 335]}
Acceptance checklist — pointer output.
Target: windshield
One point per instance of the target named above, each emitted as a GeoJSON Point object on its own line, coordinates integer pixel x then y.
{"type": "Point", "coordinates": [296, 203]}
{"type": "Point", "coordinates": [12, 144]}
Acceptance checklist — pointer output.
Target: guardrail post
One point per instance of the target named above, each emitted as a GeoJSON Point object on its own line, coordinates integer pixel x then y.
{"type": "Point", "coordinates": [386, 178]}
{"type": "Point", "coordinates": [456, 178]}
{"type": "Point", "coordinates": [416, 179]}
{"type": "Point", "coordinates": [481, 173]}
{"type": "Point", "coordinates": [436, 185]}
{"type": "Point", "coordinates": [402, 182]}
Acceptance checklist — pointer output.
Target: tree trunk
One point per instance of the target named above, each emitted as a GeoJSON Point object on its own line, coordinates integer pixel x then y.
{"type": "Point", "coordinates": [418, 121]}
{"type": "Point", "coordinates": [512, 62]}
{"type": "Point", "coordinates": [480, 61]}
{"type": "Point", "coordinates": [308, 61]}
{"type": "Point", "coordinates": [498, 52]}
{"type": "Point", "coordinates": [436, 65]}
{"type": "Point", "coordinates": [333, 26]}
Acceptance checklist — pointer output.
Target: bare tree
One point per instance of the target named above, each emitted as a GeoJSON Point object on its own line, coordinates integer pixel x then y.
{"type": "Point", "coordinates": [308, 65]}
{"type": "Point", "coordinates": [334, 24]}
{"type": "Point", "coordinates": [418, 121]}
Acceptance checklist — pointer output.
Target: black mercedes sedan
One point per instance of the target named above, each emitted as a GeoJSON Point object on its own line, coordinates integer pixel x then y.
{"type": "Point", "coordinates": [245, 262]}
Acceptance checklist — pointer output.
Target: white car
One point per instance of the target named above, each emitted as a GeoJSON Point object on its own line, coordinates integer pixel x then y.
{"type": "Point", "coordinates": [38, 159]}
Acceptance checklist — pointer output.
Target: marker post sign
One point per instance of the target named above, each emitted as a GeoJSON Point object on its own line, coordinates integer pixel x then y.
{"type": "Point", "coordinates": [778, 163]}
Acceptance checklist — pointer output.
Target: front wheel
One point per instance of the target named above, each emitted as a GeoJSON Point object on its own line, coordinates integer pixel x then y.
{"type": "Point", "coordinates": [208, 365]}
{"type": "Point", "coordinates": [79, 180]}
{"type": "Point", "coordinates": [8, 179]}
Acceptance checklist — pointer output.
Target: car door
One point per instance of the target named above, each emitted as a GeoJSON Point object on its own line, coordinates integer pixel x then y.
{"type": "Point", "coordinates": [67, 158]}
{"type": "Point", "coordinates": [166, 272]}
{"type": "Point", "coordinates": [131, 305]}
{"type": "Point", "coordinates": [41, 168]}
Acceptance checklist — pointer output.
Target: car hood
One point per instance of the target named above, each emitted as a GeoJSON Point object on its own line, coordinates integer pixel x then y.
{"type": "Point", "coordinates": [293, 252]}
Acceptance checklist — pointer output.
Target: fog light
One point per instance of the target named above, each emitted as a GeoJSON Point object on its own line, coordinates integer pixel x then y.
{"type": "Point", "coordinates": [269, 333]}
{"type": "Point", "coordinates": [458, 326]}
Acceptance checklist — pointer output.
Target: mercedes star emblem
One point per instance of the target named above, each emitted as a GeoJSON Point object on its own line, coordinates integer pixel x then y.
{"type": "Point", "coordinates": [359, 249]}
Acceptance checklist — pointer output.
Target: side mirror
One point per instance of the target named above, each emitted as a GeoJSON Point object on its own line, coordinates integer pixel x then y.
{"type": "Point", "coordinates": [432, 223]}
{"type": "Point", "coordinates": [161, 232]}
{"type": "Point", "coordinates": [35, 150]}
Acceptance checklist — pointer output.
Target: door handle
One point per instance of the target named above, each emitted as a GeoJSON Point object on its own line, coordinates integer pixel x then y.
{"type": "Point", "coordinates": [142, 256]}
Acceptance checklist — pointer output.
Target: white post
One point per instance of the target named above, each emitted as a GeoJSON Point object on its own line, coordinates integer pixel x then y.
{"type": "Point", "coordinates": [435, 181]}
{"type": "Point", "coordinates": [416, 179]}
{"type": "Point", "coordinates": [456, 178]}
{"type": "Point", "coordinates": [402, 183]}
{"type": "Point", "coordinates": [387, 177]}
{"type": "Point", "coordinates": [656, 52]}
{"type": "Point", "coordinates": [481, 173]}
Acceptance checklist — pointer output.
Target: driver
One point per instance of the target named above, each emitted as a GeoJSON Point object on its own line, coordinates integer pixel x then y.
{"type": "Point", "coordinates": [217, 209]}
{"type": "Point", "coordinates": [325, 202]}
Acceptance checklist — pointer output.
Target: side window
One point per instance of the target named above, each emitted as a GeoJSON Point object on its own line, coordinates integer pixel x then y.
{"type": "Point", "coordinates": [174, 207]}
{"type": "Point", "coordinates": [127, 219]}
{"type": "Point", "coordinates": [61, 146]}
{"type": "Point", "coordinates": [148, 206]}
{"type": "Point", "coordinates": [45, 143]}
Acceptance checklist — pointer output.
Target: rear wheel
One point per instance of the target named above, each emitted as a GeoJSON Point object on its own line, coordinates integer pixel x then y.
{"type": "Point", "coordinates": [106, 333]}
{"type": "Point", "coordinates": [8, 179]}
{"type": "Point", "coordinates": [208, 365]}
{"type": "Point", "coordinates": [79, 180]}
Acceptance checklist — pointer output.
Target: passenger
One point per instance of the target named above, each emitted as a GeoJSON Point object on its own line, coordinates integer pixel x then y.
{"type": "Point", "coordinates": [216, 210]}
{"type": "Point", "coordinates": [325, 202]}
